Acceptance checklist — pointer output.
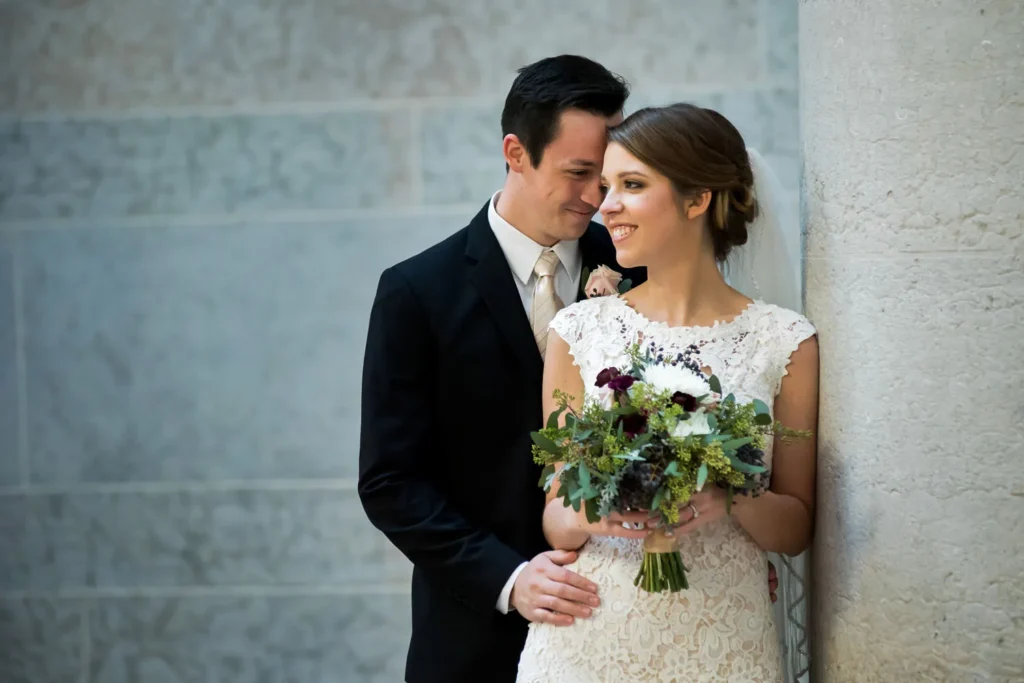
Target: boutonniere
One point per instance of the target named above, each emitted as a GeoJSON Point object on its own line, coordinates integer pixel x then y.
{"type": "Point", "coordinates": [604, 282]}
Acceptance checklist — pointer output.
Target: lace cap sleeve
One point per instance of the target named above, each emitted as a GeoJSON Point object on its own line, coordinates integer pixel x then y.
{"type": "Point", "coordinates": [791, 330]}
{"type": "Point", "coordinates": [568, 324]}
{"type": "Point", "coordinates": [578, 324]}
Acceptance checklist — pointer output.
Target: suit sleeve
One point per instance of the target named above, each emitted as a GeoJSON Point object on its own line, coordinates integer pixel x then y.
{"type": "Point", "coordinates": [398, 442]}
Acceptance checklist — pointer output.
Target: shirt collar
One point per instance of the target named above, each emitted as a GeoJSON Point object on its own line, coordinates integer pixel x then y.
{"type": "Point", "coordinates": [522, 253]}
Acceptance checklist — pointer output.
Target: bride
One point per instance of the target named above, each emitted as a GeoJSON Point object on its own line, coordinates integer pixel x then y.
{"type": "Point", "coordinates": [681, 199]}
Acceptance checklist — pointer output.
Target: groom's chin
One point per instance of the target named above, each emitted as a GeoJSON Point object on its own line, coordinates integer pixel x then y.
{"type": "Point", "coordinates": [576, 223]}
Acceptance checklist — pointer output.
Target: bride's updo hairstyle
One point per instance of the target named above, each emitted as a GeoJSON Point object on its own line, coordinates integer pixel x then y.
{"type": "Point", "coordinates": [697, 149]}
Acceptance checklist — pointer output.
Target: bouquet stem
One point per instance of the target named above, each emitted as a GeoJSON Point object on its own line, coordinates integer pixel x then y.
{"type": "Point", "coordinates": [663, 567]}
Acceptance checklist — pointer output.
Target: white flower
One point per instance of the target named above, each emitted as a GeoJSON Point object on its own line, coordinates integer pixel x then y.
{"type": "Point", "coordinates": [676, 378]}
{"type": "Point", "coordinates": [696, 425]}
{"type": "Point", "coordinates": [605, 396]}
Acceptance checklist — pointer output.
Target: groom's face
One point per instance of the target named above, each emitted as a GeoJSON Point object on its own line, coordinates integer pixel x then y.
{"type": "Point", "coordinates": [565, 187]}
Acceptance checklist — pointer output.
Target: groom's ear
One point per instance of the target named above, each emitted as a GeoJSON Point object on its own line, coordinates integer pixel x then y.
{"type": "Point", "coordinates": [515, 154]}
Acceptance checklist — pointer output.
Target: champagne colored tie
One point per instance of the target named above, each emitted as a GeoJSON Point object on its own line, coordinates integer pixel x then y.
{"type": "Point", "coordinates": [545, 301]}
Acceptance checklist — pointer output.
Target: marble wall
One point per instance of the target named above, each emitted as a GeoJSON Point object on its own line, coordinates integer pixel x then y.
{"type": "Point", "coordinates": [196, 198]}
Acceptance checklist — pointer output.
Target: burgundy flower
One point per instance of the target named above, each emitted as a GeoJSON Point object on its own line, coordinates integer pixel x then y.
{"type": "Point", "coordinates": [621, 383]}
{"type": "Point", "coordinates": [688, 403]}
{"type": "Point", "coordinates": [633, 424]}
{"type": "Point", "coordinates": [605, 376]}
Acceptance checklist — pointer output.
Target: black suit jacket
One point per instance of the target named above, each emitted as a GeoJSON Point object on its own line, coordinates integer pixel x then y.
{"type": "Point", "coordinates": [451, 390]}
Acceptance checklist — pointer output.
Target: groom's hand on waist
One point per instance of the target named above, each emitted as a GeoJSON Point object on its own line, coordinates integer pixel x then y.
{"type": "Point", "coordinates": [546, 592]}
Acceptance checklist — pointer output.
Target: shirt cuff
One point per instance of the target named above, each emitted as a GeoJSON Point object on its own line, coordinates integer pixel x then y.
{"type": "Point", "coordinates": [506, 592]}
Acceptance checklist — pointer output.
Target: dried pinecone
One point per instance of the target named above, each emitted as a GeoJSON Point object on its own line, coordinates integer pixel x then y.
{"type": "Point", "coordinates": [750, 455]}
{"type": "Point", "coordinates": [640, 482]}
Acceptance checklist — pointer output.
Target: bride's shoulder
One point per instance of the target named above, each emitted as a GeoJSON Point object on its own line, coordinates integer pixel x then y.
{"type": "Point", "coordinates": [783, 322]}
{"type": "Point", "coordinates": [593, 305]}
{"type": "Point", "coordinates": [573, 320]}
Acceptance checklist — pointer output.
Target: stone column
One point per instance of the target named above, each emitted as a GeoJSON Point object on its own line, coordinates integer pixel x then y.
{"type": "Point", "coordinates": [912, 114]}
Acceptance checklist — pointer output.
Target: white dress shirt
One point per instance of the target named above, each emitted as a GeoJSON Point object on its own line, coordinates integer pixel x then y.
{"type": "Point", "coordinates": [522, 253]}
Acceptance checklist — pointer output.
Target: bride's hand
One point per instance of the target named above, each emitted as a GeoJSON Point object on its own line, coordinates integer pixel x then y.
{"type": "Point", "coordinates": [566, 529]}
{"type": "Point", "coordinates": [625, 525]}
{"type": "Point", "coordinates": [703, 508]}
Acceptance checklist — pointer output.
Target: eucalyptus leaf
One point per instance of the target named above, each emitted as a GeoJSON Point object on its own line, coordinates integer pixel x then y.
{"type": "Point", "coordinates": [625, 285]}
{"type": "Point", "coordinates": [546, 475]}
{"type": "Point", "coordinates": [576, 505]}
{"type": "Point", "coordinates": [672, 469]}
{"type": "Point", "coordinates": [657, 498]}
{"type": "Point", "coordinates": [731, 398]}
{"type": "Point", "coordinates": [744, 467]}
{"type": "Point", "coordinates": [728, 500]}
{"type": "Point", "coordinates": [735, 444]}
{"type": "Point", "coordinates": [715, 385]}
{"type": "Point", "coordinates": [760, 407]}
{"type": "Point", "coordinates": [553, 418]}
{"type": "Point", "coordinates": [570, 421]}
{"type": "Point", "coordinates": [702, 475]}
{"type": "Point", "coordinates": [545, 444]}
{"type": "Point", "coordinates": [763, 419]}
{"type": "Point", "coordinates": [642, 440]}
{"type": "Point", "coordinates": [632, 456]}
{"type": "Point", "coordinates": [584, 476]}
{"type": "Point", "coordinates": [593, 515]}
{"type": "Point", "coordinates": [712, 421]}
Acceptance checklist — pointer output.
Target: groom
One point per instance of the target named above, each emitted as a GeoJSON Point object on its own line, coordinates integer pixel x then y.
{"type": "Point", "coordinates": [452, 385]}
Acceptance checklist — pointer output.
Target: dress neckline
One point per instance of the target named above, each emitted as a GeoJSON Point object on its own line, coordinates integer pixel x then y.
{"type": "Point", "coordinates": [716, 326]}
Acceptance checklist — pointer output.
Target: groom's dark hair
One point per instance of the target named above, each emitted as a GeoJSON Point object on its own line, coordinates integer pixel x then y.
{"type": "Point", "coordinates": [545, 89]}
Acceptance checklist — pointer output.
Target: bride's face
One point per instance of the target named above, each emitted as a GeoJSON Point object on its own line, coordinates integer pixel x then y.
{"type": "Point", "coordinates": [641, 210]}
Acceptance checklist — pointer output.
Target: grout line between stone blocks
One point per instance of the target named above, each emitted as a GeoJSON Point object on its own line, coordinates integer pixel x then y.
{"type": "Point", "coordinates": [20, 368]}
{"type": "Point", "coordinates": [255, 109]}
{"type": "Point", "coordinates": [240, 218]}
{"type": "Point", "coordinates": [353, 105]}
{"type": "Point", "coordinates": [89, 595]}
{"type": "Point", "coordinates": [165, 487]}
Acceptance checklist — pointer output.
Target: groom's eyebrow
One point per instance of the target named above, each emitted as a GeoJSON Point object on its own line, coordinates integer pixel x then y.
{"type": "Point", "coordinates": [583, 162]}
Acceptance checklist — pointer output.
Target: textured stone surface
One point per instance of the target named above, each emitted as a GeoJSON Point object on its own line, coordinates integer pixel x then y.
{"type": "Point", "coordinates": [10, 471]}
{"type": "Point", "coordinates": [102, 54]}
{"type": "Point", "coordinates": [779, 19]}
{"type": "Point", "coordinates": [462, 158]}
{"type": "Point", "coordinates": [42, 641]}
{"type": "Point", "coordinates": [316, 638]}
{"type": "Point", "coordinates": [225, 538]}
{"type": "Point", "coordinates": [915, 281]}
{"type": "Point", "coordinates": [166, 173]}
{"type": "Point", "coordinates": [202, 353]}
{"type": "Point", "coordinates": [201, 164]}
{"type": "Point", "coordinates": [921, 149]}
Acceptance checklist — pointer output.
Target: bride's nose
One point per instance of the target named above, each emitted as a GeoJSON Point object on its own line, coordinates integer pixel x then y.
{"type": "Point", "coordinates": [610, 204]}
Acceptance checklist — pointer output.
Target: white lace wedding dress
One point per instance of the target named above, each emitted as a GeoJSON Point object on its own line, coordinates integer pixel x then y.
{"type": "Point", "coordinates": [721, 629]}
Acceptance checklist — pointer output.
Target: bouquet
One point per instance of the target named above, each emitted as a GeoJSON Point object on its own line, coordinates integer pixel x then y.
{"type": "Point", "coordinates": [657, 432]}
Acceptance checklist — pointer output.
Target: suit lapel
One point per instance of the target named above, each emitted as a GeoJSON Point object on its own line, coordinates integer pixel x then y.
{"type": "Point", "coordinates": [594, 253]}
{"type": "Point", "coordinates": [493, 278]}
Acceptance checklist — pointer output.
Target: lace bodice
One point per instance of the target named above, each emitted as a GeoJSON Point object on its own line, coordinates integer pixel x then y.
{"type": "Point", "coordinates": [720, 629]}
